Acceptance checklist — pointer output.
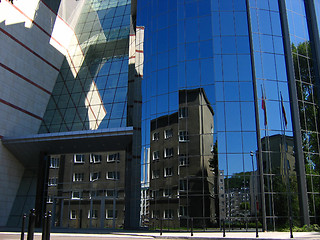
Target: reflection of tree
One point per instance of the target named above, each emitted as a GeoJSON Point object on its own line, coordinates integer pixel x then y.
{"type": "Point", "coordinates": [281, 182]}
{"type": "Point", "coordinates": [239, 180]}
{"type": "Point", "coordinates": [309, 114]}
{"type": "Point", "coordinates": [214, 166]}
{"type": "Point", "coordinates": [213, 162]}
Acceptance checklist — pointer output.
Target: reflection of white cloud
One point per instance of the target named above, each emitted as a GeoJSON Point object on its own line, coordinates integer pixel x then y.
{"type": "Point", "coordinates": [95, 107]}
{"type": "Point", "coordinates": [19, 12]}
{"type": "Point", "coordinates": [96, 39]}
{"type": "Point", "coordinates": [98, 5]}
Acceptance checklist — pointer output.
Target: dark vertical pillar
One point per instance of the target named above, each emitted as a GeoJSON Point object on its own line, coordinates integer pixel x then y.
{"type": "Point", "coordinates": [22, 226]}
{"type": "Point", "coordinates": [31, 224]}
{"type": "Point", "coordinates": [102, 211]}
{"type": "Point", "coordinates": [314, 42]}
{"type": "Point", "coordinates": [48, 226]}
{"type": "Point", "coordinates": [133, 169]}
{"type": "Point", "coordinates": [43, 171]}
{"type": "Point", "coordinates": [301, 176]}
{"type": "Point", "coordinates": [256, 106]}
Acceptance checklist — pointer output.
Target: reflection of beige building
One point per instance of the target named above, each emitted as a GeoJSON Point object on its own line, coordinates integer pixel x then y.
{"type": "Point", "coordinates": [279, 149]}
{"type": "Point", "coordinates": [182, 178]}
{"type": "Point", "coordinates": [86, 190]}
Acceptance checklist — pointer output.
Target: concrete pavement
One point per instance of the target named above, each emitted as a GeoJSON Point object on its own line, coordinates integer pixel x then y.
{"type": "Point", "coordinates": [166, 235]}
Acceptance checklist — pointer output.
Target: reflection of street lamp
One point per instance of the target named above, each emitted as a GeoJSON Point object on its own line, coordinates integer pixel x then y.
{"type": "Point", "coordinates": [254, 194]}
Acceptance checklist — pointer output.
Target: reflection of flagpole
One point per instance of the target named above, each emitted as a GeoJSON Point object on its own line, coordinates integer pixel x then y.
{"type": "Point", "coordinates": [267, 150]}
{"type": "Point", "coordinates": [286, 163]}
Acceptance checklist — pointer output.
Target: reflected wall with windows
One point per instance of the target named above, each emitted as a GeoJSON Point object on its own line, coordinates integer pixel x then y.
{"type": "Point", "coordinates": [233, 52]}
{"type": "Point", "coordinates": [87, 190]}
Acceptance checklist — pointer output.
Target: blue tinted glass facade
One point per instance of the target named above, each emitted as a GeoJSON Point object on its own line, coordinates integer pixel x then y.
{"type": "Point", "coordinates": [229, 116]}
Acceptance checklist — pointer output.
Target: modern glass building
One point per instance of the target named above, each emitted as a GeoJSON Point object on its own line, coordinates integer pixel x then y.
{"type": "Point", "coordinates": [255, 65]}
{"type": "Point", "coordinates": [150, 113]}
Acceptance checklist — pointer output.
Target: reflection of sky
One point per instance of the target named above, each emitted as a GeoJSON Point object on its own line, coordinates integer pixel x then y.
{"type": "Point", "coordinates": [317, 8]}
{"type": "Point", "coordinates": [209, 48]}
{"type": "Point", "coordinates": [112, 81]}
{"type": "Point", "coordinates": [99, 95]}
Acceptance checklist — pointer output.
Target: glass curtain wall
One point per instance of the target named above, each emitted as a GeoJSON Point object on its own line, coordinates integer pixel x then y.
{"type": "Point", "coordinates": [306, 82]}
{"type": "Point", "coordinates": [217, 128]}
{"type": "Point", "coordinates": [280, 184]}
{"type": "Point", "coordinates": [198, 118]}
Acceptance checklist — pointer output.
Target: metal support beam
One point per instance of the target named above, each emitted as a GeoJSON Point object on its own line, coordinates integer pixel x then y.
{"type": "Point", "coordinates": [301, 176]}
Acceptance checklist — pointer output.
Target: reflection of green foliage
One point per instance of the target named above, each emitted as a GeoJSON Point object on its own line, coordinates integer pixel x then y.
{"type": "Point", "coordinates": [309, 115]}
{"type": "Point", "coordinates": [302, 65]}
{"type": "Point", "coordinates": [305, 228]}
{"type": "Point", "coordinates": [282, 201]}
{"type": "Point", "coordinates": [244, 205]}
{"type": "Point", "coordinates": [213, 162]}
{"type": "Point", "coordinates": [239, 180]}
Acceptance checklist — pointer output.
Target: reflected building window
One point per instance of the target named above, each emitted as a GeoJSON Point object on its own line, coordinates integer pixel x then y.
{"type": "Point", "coordinates": [94, 176]}
{"type": "Point", "coordinates": [76, 195]}
{"type": "Point", "coordinates": [183, 211]}
{"type": "Point", "coordinates": [155, 155]}
{"type": "Point", "coordinates": [183, 185]}
{"type": "Point", "coordinates": [167, 192]}
{"type": "Point", "coordinates": [95, 158]}
{"type": "Point", "coordinates": [183, 112]}
{"type": "Point", "coordinates": [111, 193]}
{"type": "Point", "coordinates": [93, 214]}
{"type": "Point", "coordinates": [183, 160]}
{"type": "Point", "coordinates": [155, 193]}
{"type": "Point", "coordinates": [155, 174]}
{"type": "Point", "coordinates": [113, 175]}
{"type": "Point", "coordinates": [168, 214]}
{"type": "Point", "coordinates": [73, 214]}
{"type": "Point", "coordinates": [155, 136]}
{"type": "Point", "coordinates": [183, 136]}
{"type": "Point", "coordinates": [78, 158]}
{"type": "Point", "coordinates": [113, 157]}
{"type": "Point", "coordinates": [155, 213]}
{"type": "Point", "coordinates": [110, 214]}
{"type": "Point", "coordinates": [168, 172]}
{"type": "Point", "coordinates": [78, 177]}
{"type": "Point", "coordinates": [168, 133]}
{"type": "Point", "coordinates": [49, 199]}
{"type": "Point", "coordinates": [168, 152]}
{"type": "Point", "coordinates": [54, 162]}
{"type": "Point", "coordinates": [52, 181]}
{"type": "Point", "coordinates": [95, 193]}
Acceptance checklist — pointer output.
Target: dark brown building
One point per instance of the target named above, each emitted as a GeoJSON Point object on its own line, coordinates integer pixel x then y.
{"type": "Point", "coordinates": [182, 178]}
{"type": "Point", "coordinates": [86, 190]}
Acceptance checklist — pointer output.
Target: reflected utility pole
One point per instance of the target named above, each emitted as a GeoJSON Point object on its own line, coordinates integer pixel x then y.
{"type": "Point", "coordinates": [254, 193]}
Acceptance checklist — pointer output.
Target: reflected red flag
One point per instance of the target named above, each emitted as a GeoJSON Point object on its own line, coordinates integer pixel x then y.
{"type": "Point", "coordinates": [283, 112]}
{"type": "Point", "coordinates": [264, 107]}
